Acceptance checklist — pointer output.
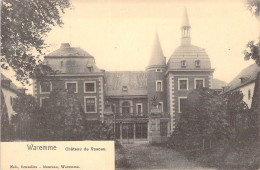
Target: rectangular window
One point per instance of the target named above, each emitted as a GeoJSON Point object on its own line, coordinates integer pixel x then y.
{"type": "Point", "coordinates": [90, 69]}
{"type": "Point", "coordinates": [45, 87]}
{"type": "Point", "coordinates": [139, 109]}
{"type": "Point", "coordinates": [90, 104]}
{"type": "Point", "coordinates": [249, 94]}
{"type": "Point", "coordinates": [124, 88]}
{"type": "Point", "coordinates": [90, 87]}
{"type": "Point", "coordinates": [117, 131]}
{"type": "Point", "coordinates": [159, 85]}
{"type": "Point", "coordinates": [197, 63]}
{"type": "Point", "coordinates": [182, 103]}
{"type": "Point", "coordinates": [183, 84]}
{"type": "Point", "coordinates": [160, 106]}
{"type": "Point", "coordinates": [183, 63]}
{"type": "Point", "coordinates": [113, 108]}
{"type": "Point", "coordinates": [199, 83]}
{"type": "Point", "coordinates": [72, 86]}
{"type": "Point", "coordinates": [11, 100]}
{"type": "Point", "coordinates": [141, 130]}
{"type": "Point", "coordinates": [163, 128]}
{"type": "Point", "coordinates": [44, 101]}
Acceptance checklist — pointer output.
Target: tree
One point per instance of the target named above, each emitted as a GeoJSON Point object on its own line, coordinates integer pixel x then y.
{"type": "Point", "coordinates": [63, 118]}
{"type": "Point", "coordinates": [27, 120]}
{"type": "Point", "coordinates": [204, 116]}
{"type": "Point", "coordinates": [5, 126]}
{"type": "Point", "coordinates": [237, 111]}
{"type": "Point", "coordinates": [24, 26]}
{"type": "Point", "coordinates": [253, 49]}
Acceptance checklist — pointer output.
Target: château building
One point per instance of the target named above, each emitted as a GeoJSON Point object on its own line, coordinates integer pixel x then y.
{"type": "Point", "coordinates": [144, 106]}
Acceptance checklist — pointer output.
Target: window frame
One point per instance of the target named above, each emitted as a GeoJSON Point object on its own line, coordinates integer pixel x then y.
{"type": "Point", "coordinates": [85, 103]}
{"type": "Point", "coordinates": [249, 94]}
{"type": "Point", "coordinates": [197, 63]}
{"type": "Point", "coordinates": [41, 98]}
{"type": "Point", "coordinates": [90, 69]}
{"type": "Point", "coordinates": [179, 103]}
{"type": "Point", "coordinates": [41, 92]}
{"type": "Point", "coordinates": [179, 84]}
{"type": "Point", "coordinates": [139, 104]}
{"type": "Point", "coordinates": [195, 83]}
{"type": "Point", "coordinates": [183, 65]}
{"type": "Point", "coordinates": [161, 104]}
{"type": "Point", "coordinates": [66, 82]}
{"type": "Point", "coordinates": [95, 87]}
{"type": "Point", "coordinates": [156, 87]}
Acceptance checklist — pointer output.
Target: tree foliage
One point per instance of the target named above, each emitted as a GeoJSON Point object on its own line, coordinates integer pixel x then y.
{"type": "Point", "coordinates": [62, 119]}
{"type": "Point", "coordinates": [96, 130]}
{"type": "Point", "coordinates": [5, 126]}
{"type": "Point", "coordinates": [254, 7]}
{"type": "Point", "coordinates": [24, 26]}
{"type": "Point", "coordinates": [204, 116]}
{"type": "Point", "coordinates": [237, 111]}
{"type": "Point", "coordinates": [67, 120]}
{"type": "Point", "coordinates": [252, 51]}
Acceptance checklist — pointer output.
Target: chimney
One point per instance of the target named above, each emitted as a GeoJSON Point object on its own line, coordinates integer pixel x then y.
{"type": "Point", "coordinates": [65, 45]}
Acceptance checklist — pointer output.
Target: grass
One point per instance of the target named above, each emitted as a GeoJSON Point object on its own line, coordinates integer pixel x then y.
{"type": "Point", "coordinates": [145, 156]}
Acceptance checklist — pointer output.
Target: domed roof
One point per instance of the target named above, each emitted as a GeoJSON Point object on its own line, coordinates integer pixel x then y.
{"type": "Point", "coordinates": [72, 60]}
{"type": "Point", "coordinates": [189, 54]}
{"type": "Point", "coordinates": [66, 50]}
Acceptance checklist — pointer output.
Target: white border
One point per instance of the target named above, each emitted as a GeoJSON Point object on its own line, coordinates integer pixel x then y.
{"type": "Point", "coordinates": [199, 79]}
{"type": "Point", "coordinates": [45, 92]}
{"type": "Point", "coordinates": [179, 103]}
{"type": "Point", "coordinates": [157, 81]}
{"type": "Point", "coordinates": [66, 82]}
{"type": "Point", "coordinates": [85, 104]}
{"type": "Point", "coordinates": [95, 88]}
{"type": "Point", "coordinates": [179, 83]}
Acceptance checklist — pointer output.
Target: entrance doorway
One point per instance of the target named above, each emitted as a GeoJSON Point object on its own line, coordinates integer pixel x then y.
{"type": "Point", "coordinates": [127, 133]}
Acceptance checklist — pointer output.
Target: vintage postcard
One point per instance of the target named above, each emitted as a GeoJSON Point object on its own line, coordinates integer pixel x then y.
{"type": "Point", "coordinates": [109, 84]}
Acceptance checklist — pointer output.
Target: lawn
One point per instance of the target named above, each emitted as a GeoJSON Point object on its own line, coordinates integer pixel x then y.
{"type": "Point", "coordinates": [145, 156]}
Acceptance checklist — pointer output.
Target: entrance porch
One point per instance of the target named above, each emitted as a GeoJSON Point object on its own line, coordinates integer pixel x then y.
{"type": "Point", "coordinates": [129, 131]}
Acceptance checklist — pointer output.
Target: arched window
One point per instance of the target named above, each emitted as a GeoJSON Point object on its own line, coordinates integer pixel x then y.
{"type": "Point", "coordinates": [125, 107]}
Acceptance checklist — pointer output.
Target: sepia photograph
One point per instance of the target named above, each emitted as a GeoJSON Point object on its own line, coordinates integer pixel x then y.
{"type": "Point", "coordinates": [170, 84]}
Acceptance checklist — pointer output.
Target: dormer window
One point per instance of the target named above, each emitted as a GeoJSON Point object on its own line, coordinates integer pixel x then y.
{"type": "Point", "coordinates": [124, 88]}
{"type": "Point", "coordinates": [90, 69]}
{"type": "Point", "coordinates": [183, 63]}
{"type": "Point", "coordinates": [158, 70]}
{"type": "Point", "coordinates": [242, 80]}
{"type": "Point", "coordinates": [197, 63]}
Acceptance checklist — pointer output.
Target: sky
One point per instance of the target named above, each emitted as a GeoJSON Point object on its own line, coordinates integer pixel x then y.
{"type": "Point", "coordinates": [120, 33]}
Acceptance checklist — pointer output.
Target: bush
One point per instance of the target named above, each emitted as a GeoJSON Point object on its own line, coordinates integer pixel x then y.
{"type": "Point", "coordinates": [96, 130]}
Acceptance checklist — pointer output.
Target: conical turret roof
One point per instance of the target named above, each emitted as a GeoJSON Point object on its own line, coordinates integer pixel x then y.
{"type": "Point", "coordinates": [157, 58]}
{"type": "Point", "coordinates": [185, 21]}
